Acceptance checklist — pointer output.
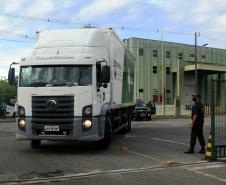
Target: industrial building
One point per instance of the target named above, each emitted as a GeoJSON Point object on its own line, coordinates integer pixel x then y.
{"type": "Point", "coordinates": [166, 70]}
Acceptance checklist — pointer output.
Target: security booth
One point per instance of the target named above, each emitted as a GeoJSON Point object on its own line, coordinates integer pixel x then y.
{"type": "Point", "coordinates": [206, 72]}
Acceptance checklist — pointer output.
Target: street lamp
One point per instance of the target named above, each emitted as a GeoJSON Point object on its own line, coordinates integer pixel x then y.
{"type": "Point", "coordinates": [196, 61]}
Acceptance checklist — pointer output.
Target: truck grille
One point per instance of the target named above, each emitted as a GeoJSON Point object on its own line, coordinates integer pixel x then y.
{"type": "Point", "coordinates": [52, 109]}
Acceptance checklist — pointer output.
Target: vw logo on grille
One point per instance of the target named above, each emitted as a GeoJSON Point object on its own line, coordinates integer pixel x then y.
{"type": "Point", "coordinates": [51, 105]}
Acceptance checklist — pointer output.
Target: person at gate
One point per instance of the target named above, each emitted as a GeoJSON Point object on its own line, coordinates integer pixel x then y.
{"type": "Point", "coordinates": [197, 125]}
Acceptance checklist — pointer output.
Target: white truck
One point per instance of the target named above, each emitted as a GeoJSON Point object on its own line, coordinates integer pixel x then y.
{"type": "Point", "coordinates": [76, 85]}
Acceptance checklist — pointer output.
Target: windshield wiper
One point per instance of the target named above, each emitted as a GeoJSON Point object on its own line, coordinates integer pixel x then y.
{"type": "Point", "coordinates": [38, 84]}
{"type": "Point", "coordinates": [72, 84]}
{"type": "Point", "coordinates": [49, 84]}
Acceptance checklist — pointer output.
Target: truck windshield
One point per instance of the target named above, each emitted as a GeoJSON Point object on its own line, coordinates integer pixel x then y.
{"type": "Point", "coordinates": [45, 76]}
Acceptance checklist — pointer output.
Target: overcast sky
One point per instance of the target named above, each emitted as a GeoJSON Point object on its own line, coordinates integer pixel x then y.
{"type": "Point", "coordinates": [139, 18]}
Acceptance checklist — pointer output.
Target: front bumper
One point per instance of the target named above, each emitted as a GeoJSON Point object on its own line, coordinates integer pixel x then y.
{"type": "Point", "coordinates": [74, 131]}
{"type": "Point", "coordinates": [141, 114]}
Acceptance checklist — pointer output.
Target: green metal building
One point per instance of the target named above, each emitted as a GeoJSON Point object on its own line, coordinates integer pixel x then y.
{"type": "Point", "coordinates": [165, 71]}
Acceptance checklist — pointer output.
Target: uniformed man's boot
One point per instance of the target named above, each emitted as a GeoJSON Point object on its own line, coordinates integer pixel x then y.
{"type": "Point", "coordinates": [203, 150]}
{"type": "Point", "coordinates": [189, 151]}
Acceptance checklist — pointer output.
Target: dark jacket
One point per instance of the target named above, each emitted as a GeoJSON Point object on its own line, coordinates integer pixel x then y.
{"type": "Point", "coordinates": [198, 109]}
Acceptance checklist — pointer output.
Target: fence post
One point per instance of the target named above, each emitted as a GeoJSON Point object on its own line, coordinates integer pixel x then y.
{"type": "Point", "coordinates": [213, 121]}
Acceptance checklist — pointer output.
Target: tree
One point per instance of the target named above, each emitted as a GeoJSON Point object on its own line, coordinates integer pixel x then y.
{"type": "Point", "coordinates": [7, 91]}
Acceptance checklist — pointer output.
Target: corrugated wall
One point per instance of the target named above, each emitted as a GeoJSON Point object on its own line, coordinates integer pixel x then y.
{"type": "Point", "coordinates": [149, 84]}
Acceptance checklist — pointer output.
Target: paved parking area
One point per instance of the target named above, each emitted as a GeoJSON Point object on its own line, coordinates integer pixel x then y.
{"type": "Point", "coordinates": [139, 157]}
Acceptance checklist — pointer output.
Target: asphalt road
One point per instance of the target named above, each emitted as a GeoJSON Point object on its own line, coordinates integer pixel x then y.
{"type": "Point", "coordinates": [137, 158]}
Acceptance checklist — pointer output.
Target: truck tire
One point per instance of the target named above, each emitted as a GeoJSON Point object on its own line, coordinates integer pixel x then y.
{"type": "Point", "coordinates": [129, 122]}
{"type": "Point", "coordinates": [133, 118]}
{"type": "Point", "coordinates": [35, 143]}
{"type": "Point", "coordinates": [124, 120]}
{"type": "Point", "coordinates": [106, 141]}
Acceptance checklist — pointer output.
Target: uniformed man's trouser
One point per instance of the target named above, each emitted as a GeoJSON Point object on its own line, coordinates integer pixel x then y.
{"type": "Point", "coordinates": [197, 132]}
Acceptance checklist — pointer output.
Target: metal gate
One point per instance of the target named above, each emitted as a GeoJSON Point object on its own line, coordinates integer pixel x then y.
{"type": "Point", "coordinates": [217, 137]}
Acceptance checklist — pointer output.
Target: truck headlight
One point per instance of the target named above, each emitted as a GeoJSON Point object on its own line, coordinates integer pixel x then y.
{"type": "Point", "coordinates": [22, 124]}
{"type": "Point", "coordinates": [21, 111]}
{"type": "Point", "coordinates": [87, 110]}
{"type": "Point", "coordinates": [87, 124]}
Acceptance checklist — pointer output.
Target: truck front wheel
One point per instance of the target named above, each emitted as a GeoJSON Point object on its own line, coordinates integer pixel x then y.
{"type": "Point", "coordinates": [106, 141]}
{"type": "Point", "coordinates": [35, 143]}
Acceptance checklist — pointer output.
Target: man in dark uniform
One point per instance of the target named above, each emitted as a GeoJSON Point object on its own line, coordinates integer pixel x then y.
{"type": "Point", "coordinates": [197, 125]}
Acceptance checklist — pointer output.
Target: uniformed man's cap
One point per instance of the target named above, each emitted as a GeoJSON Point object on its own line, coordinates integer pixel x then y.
{"type": "Point", "coordinates": [197, 95]}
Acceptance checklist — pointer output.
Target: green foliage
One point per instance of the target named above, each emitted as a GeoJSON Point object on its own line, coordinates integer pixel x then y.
{"type": "Point", "coordinates": [7, 91]}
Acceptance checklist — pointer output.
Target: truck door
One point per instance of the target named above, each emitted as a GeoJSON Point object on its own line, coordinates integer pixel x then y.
{"type": "Point", "coordinates": [103, 90]}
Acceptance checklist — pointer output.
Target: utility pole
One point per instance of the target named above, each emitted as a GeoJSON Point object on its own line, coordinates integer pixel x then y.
{"type": "Point", "coordinates": [196, 71]}
{"type": "Point", "coordinates": [163, 76]}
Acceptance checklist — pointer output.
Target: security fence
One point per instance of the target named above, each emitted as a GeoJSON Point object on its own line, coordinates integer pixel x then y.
{"type": "Point", "coordinates": [185, 110]}
{"type": "Point", "coordinates": [218, 120]}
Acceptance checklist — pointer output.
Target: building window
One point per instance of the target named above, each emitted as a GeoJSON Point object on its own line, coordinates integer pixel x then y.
{"type": "Point", "coordinates": [141, 52]}
{"type": "Point", "coordinates": [167, 91]}
{"type": "Point", "coordinates": [203, 57]}
{"type": "Point", "coordinates": [155, 53]}
{"type": "Point", "coordinates": [191, 55]}
{"type": "Point", "coordinates": [167, 54]}
{"type": "Point", "coordinates": [167, 70]}
{"type": "Point", "coordinates": [141, 90]}
{"type": "Point", "coordinates": [154, 69]}
{"type": "Point", "coordinates": [180, 56]}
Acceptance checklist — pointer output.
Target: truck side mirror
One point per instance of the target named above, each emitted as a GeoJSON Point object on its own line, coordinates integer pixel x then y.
{"type": "Point", "coordinates": [105, 75]}
{"type": "Point", "coordinates": [11, 76]}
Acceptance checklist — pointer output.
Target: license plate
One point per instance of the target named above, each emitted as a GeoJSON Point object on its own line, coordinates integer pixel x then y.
{"type": "Point", "coordinates": [142, 115]}
{"type": "Point", "coordinates": [51, 128]}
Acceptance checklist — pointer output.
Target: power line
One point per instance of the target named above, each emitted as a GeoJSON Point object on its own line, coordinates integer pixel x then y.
{"type": "Point", "coordinates": [135, 29]}
{"type": "Point", "coordinates": [16, 34]}
{"type": "Point", "coordinates": [215, 39]}
{"type": "Point", "coordinates": [177, 33]}
{"type": "Point", "coordinates": [39, 19]}
{"type": "Point", "coordinates": [123, 28]}
{"type": "Point", "coordinates": [91, 25]}
{"type": "Point", "coordinates": [13, 40]}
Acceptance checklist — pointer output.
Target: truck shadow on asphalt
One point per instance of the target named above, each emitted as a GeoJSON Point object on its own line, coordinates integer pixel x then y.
{"type": "Point", "coordinates": [70, 147]}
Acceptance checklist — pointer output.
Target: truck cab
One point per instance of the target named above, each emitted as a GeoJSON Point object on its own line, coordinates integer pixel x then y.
{"type": "Point", "coordinates": [65, 89]}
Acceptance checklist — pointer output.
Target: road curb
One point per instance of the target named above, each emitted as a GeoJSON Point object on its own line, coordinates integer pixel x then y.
{"type": "Point", "coordinates": [161, 117]}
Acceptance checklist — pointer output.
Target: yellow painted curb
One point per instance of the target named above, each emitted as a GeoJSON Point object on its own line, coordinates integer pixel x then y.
{"type": "Point", "coordinates": [170, 162]}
